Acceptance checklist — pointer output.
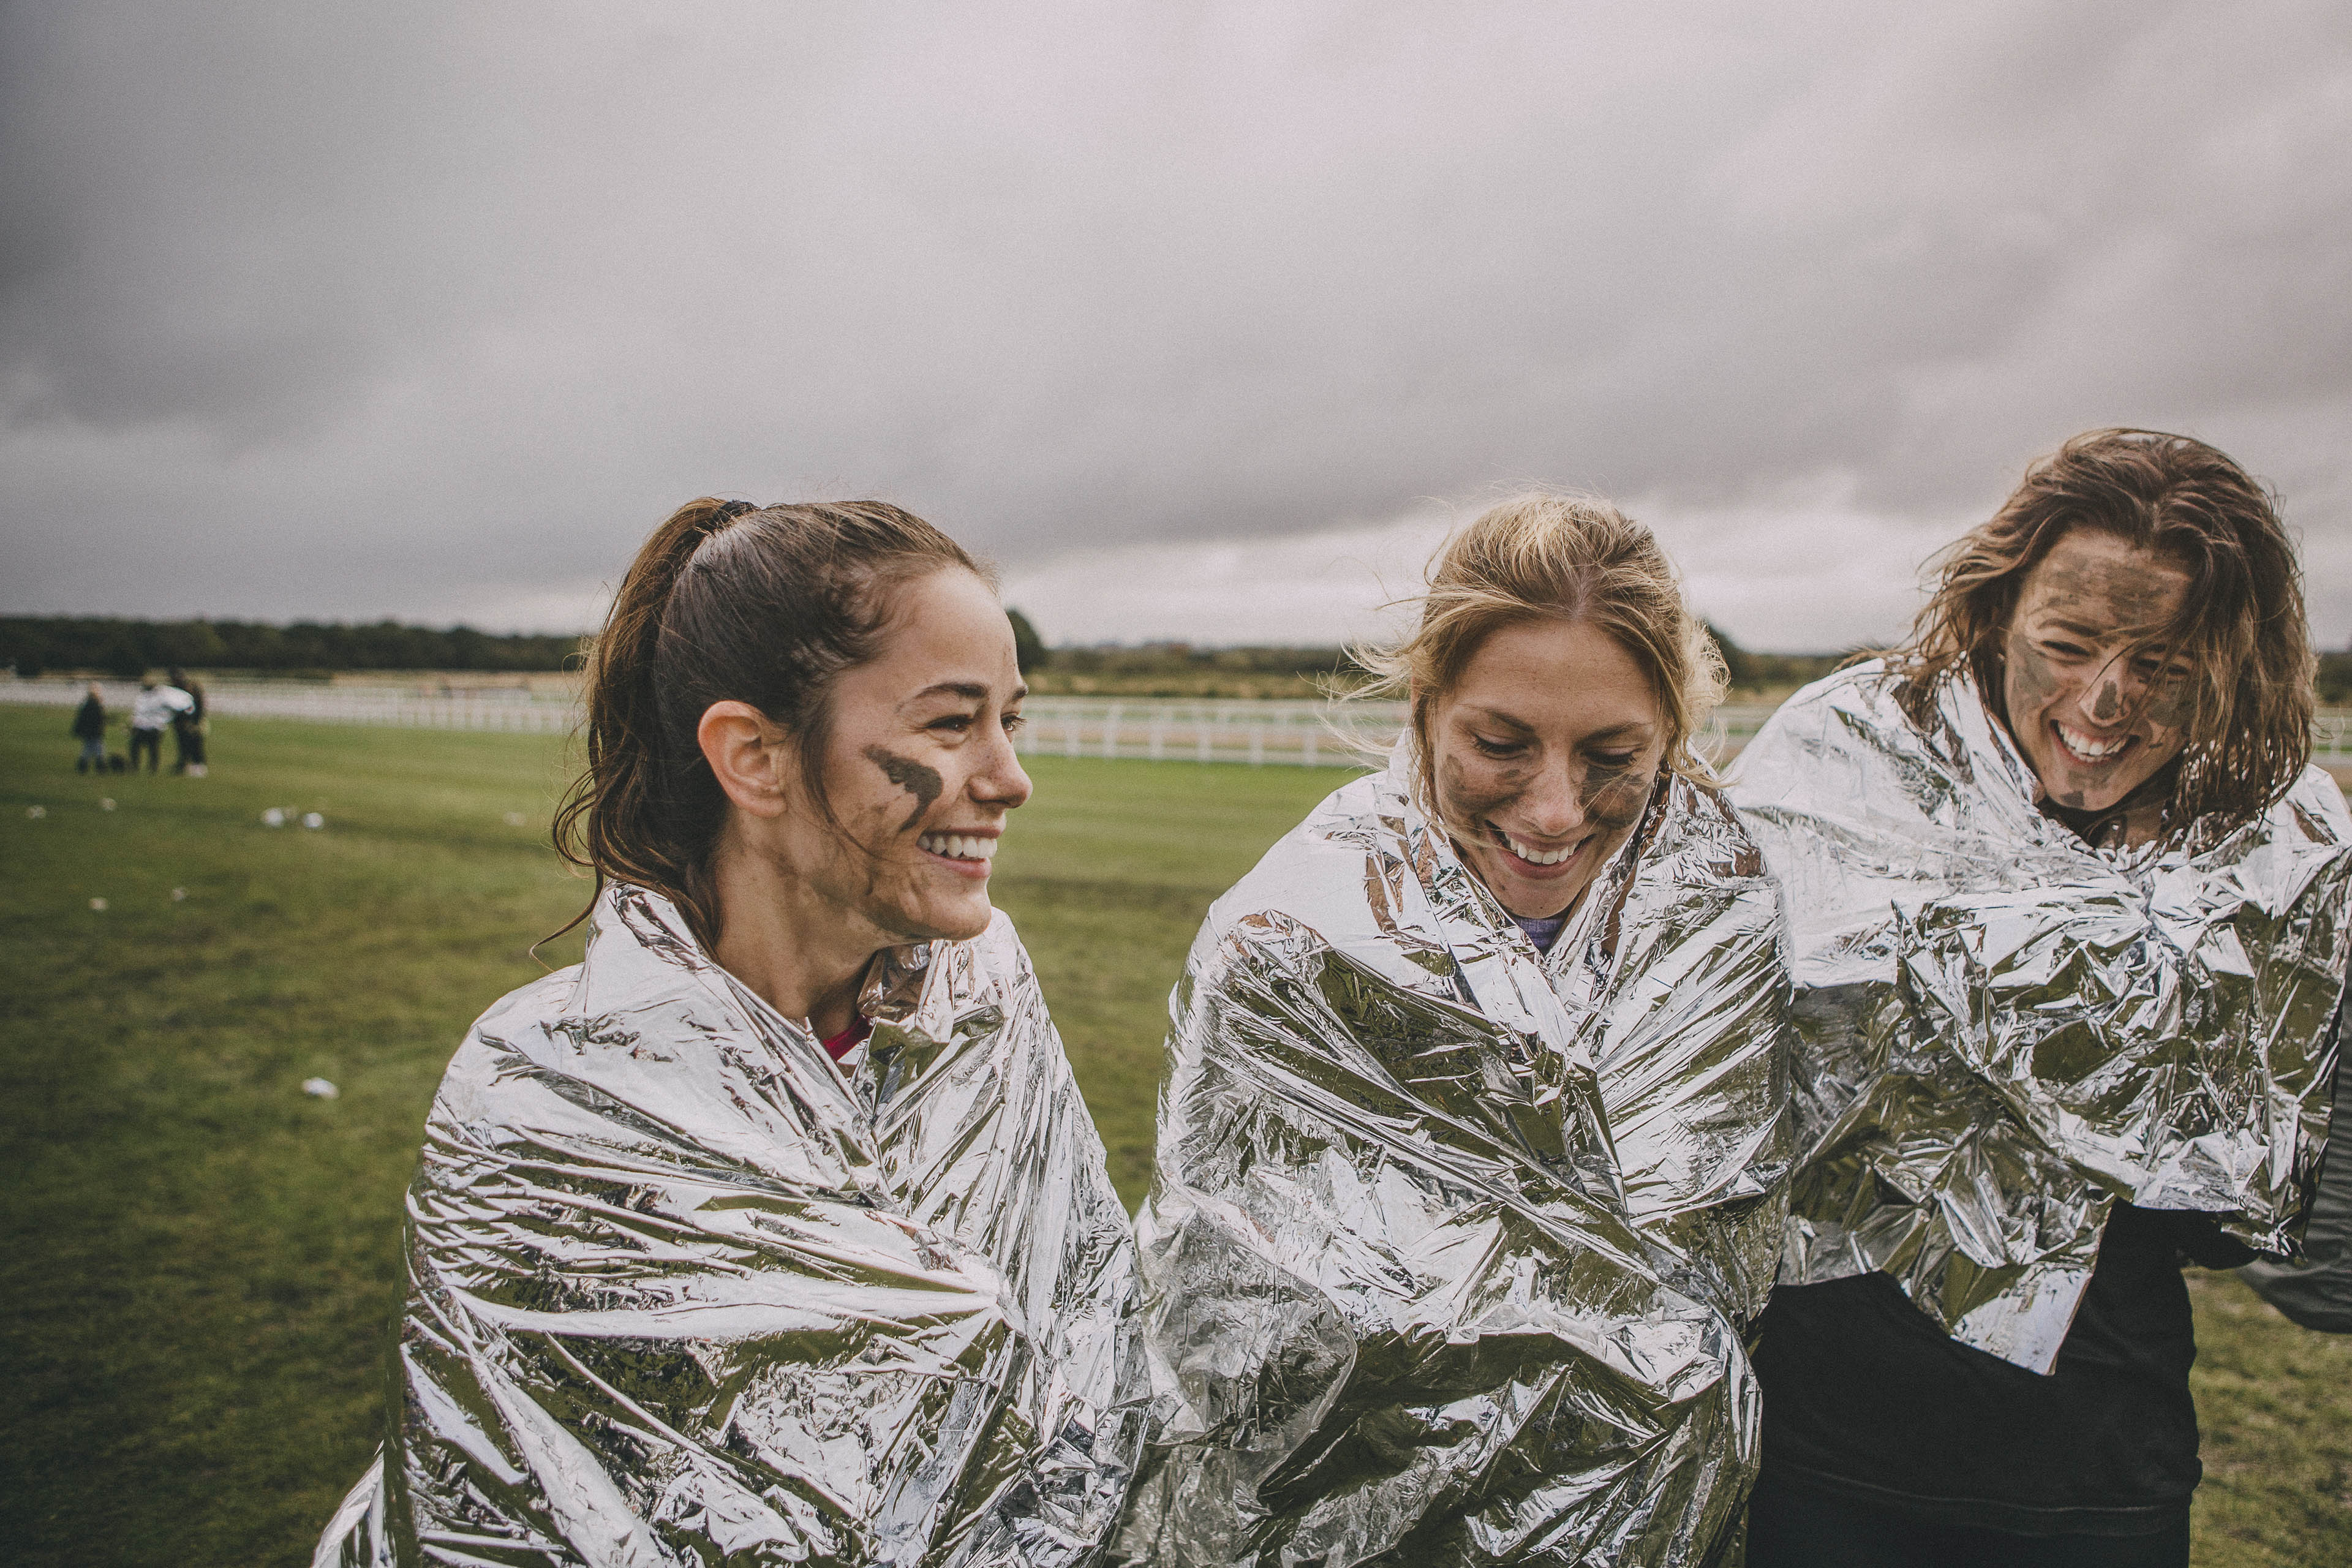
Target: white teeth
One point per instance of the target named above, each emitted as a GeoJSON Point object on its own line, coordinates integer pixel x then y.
{"type": "Point", "coordinates": [1539, 858]}
{"type": "Point", "coordinates": [959, 846]}
{"type": "Point", "coordinates": [2083, 746]}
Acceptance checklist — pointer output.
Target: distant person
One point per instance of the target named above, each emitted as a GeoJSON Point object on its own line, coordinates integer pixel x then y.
{"type": "Point", "coordinates": [89, 728]}
{"type": "Point", "coordinates": [188, 727]}
{"type": "Point", "coordinates": [2071, 913]}
{"type": "Point", "coordinates": [1471, 1153]}
{"type": "Point", "coordinates": [776, 1231]}
{"type": "Point", "coordinates": [156, 709]}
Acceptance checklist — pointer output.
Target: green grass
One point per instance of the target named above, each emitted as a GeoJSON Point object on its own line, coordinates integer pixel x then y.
{"type": "Point", "coordinates": [200, 1262]}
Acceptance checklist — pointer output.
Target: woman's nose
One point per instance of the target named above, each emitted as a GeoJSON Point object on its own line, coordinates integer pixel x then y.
{"type": "Point", "coordinates": [2111, 694]}
{"type": "Point", "coordinates": [1555, 807]}
{"type": "Point", "coordinates": [1001, 780]}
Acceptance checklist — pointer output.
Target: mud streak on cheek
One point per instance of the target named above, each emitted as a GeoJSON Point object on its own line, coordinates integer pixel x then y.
{"type": "Point", "coordinates": [923, 783]}
{"type": "Point", "coordinates": [2168, 705]}
{"type": "Point", "coordinates": [1613, 797]}
{"type": "Point", "coordinates": [1468, 806]}
{"type": "Point", "coordinates": [2028, 687]}
{"type": "Point", "coordinates": [2031, 684]}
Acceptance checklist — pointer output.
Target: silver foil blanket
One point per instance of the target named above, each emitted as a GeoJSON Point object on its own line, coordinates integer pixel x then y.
{"type": "Point", "coordinates": [681, 1290]}
{"type": "Point", "coordinates": [2003, 1031]}
{"type": "Point", "coordinates": [1451, 1246]}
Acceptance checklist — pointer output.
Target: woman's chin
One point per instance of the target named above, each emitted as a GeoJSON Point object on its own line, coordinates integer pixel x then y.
{"type": "Point", "coordinates": [1529, 897]}
{"type": "Point", "coordinates": [951, 919]}
{"type": "Point", "coordinates": [2092, 789]}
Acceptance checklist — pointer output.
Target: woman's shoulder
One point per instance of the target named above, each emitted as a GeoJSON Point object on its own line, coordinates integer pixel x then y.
{"type": "Point", "coordinates": [1857, 699]}
{"type": "Point", "coordinates": [2316, 806]}
{"type": "Point", "coordinates": [1326, 848]}
{"type": "Point", "coordinates": [1702, 819]}
{"type": "Point", "coordinates": [510, 1027]}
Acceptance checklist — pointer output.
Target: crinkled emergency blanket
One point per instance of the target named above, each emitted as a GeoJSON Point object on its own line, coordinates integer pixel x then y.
{"type": "Point", "coordinates": [1451, 1246]}
{"type": "Point", "coordinates": [2002, 1030]}
{"type": "Point", "coordinates": [681, 1290]}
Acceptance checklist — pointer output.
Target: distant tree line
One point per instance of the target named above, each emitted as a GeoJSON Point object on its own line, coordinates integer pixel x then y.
{"type": "Point", "coordinates": [1158, 658]}
{"type": "Point", "coordinates": [36, 645]}
{"type": "Point", "coordinates": [1771, 671]}
{"type": "Point", "coordinates": [32, 645]}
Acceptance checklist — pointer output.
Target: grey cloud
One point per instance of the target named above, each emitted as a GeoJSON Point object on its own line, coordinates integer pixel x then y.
{"type": "Point", "coordinates": [430, 310]}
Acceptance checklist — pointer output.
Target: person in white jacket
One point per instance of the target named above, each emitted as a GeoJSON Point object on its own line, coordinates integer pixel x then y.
{"type": "Point", "coordinates": [152, 711]}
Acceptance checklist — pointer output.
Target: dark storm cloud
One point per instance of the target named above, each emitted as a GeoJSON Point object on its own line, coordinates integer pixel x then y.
{"type": "Point", "coordinates": [434, 311]}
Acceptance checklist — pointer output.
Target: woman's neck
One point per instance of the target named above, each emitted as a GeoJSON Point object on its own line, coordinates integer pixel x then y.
{"type": "Point", "coordinates": [2135, 820]}
{"type": "Point", "coordinates": [803, 954]}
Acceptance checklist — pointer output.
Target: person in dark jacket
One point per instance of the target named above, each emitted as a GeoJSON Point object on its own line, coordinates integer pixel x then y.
{"type": "Point", "coordinates": [188, 727]}
{"type": "Point", "coordinates": [89, 728]}
{"type": "Point", "coordinates": [2317, 1291]}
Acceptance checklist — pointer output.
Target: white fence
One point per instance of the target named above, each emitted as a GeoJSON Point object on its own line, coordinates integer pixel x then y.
{"type": "Point", "coordinates": [1261, 733]}
{"type": "Point", "coordinates": [329, 704]}
{"type": "Point", "coordinates": [1307, 734]}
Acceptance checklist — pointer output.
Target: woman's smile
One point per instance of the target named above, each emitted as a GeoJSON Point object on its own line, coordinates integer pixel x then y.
{"type": "Point", "coordinates": [965, 851]}
{"type": "Point", "coordinates": [1539, 864]}
{"type": "Point", "coordinates": [2092, 751]}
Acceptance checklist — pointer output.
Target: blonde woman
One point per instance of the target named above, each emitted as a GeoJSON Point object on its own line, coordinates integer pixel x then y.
{"type": "Point", "coordinates": [1471, 1145]}
{"type": "Point", "coordinates": [2070, 914]}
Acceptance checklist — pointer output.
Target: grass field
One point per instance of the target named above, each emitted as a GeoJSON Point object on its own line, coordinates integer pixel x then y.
{"type": "Point", "coordinates": [200, 1261]}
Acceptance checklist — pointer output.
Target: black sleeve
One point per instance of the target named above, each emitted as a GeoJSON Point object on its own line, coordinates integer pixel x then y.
{"type": "Point", "coordinates": [2317, 1294]}
{"type": "Point", "coordinates": [2199, 1238]}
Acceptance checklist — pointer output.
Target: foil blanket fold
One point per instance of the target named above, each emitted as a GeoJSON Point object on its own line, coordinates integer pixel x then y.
{"type": "Point", "coordinates": [1451, 1246]}
{"type": "Point", "coordinates": [2002, 1031]}
{"type": "Point", "coordinates": [681, 1290]}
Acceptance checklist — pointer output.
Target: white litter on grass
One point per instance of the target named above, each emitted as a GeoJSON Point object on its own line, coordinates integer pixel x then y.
{"type": "Point", "coordinates": [515, 819]}
{"type": "Point", "coordinates": [105, 803]}
{"type": "Point", "coordinates": [36, 812]}
{"type": "Point", "coordinates": [99, 904]}
{"type": "Point", "coordinates": [274, 817]}
{"type": "Point", "coordinates": [312, 819]}
{"type": "Point", "coordinates": [320, 1088]}
{"type": "Point", "coordinates": [179, 893]}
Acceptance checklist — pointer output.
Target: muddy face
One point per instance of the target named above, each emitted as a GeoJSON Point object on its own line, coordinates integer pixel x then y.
{"type": "Point", "coordinates": [2098, 715]}
{"type": "Point", "coordinates": [919, 770]}
{"type": "Point", "coordinates": [1543, 756]}
{"type": "Point", "coordinates": [915, 778]}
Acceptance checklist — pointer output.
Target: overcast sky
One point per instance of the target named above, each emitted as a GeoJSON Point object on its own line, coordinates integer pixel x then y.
{"type": "Point", "coordinates": [1203, 321]}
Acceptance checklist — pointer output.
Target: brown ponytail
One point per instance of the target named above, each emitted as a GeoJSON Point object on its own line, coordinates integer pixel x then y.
{"type": "Point", "coordinates": [766, 605]}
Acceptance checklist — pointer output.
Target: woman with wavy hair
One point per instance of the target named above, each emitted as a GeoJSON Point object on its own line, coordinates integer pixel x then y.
{"type": "Point", "coordinates": [2069, 908]}
{"type": "Point", "coordinates": [1470, 1148]}
{"type": "Point", "coordinates": [776, 1231]}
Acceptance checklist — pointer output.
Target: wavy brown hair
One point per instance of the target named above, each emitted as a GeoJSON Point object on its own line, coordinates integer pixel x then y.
{"type": "Point", "coordinates": [2241, 630]}
{"type": "Point", "coordinates": [726, 601]}
{"type": "Point", "coordinates": [1555, 557]}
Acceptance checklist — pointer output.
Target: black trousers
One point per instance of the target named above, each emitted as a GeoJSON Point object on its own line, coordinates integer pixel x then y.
{"type": "Point", "coordinates": [1788, 1526]}
{"type": "Point", "coordinates": [189, 743]}
{"type": "Point", "coordinates": [151, 740]}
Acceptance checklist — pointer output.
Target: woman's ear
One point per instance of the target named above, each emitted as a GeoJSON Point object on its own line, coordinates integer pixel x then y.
{"type": "Point", "coordinates": [748, 753]}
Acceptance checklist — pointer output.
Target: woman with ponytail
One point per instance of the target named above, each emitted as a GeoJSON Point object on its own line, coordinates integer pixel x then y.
{"type": "Point", "coordinates": [776, 1229]}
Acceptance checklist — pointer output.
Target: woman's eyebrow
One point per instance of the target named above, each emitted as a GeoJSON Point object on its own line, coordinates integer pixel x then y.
{"type": "Point", "coordinates": [1506, 720]}
{"type": "Point", "coordinates": [2080, 629]}
{"type": "Point", "coordinates": [971, 691]}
